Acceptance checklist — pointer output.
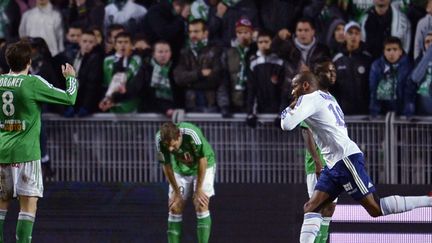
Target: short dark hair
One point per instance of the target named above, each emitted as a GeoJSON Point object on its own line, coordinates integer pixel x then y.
{"type": "Point", "coordinates": [307, 76]}
{"type": "Point", "coordinates": [306, 20]}
{"type": "Point", "coordinates": [74, 25]}
{"type": "Point", "coordinates": [161, 42]}
{"type": "Point", "coordinates": [264, 33]}
{"type": "Point", "coordinates": [114, 27]}
{"type": "Point", "coordinates": [18, 55]}
{"type": "Point", "coordinates": [88, 32]}
{"type": "Point", "coordinates": [199, 21]}
{"type": "Point", "coordinates": [393, 40]}
{"type": "Point", "coordinates": [168, 132]}
{"type": "Point", "coordinates": [123, 34]}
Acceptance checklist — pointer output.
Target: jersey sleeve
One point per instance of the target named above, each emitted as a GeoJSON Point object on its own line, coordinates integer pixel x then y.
{"type": "Point", "coordinates": [46, 92]}
{"type": "Point", "coordinates": [306, 106]}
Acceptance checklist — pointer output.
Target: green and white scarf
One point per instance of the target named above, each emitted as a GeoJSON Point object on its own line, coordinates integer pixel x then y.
{"type": "Point", "coordinates": [160, 80]}
{"type": "Point", "coordinates": [387, 86]}
{"type": "Point", "coordinates": [241, 75]}
{"type": "Point", "coordinates": [198, 46]}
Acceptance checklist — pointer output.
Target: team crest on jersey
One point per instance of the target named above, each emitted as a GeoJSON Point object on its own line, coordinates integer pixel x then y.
{"type": "Point", "coordinates": [361, 69]}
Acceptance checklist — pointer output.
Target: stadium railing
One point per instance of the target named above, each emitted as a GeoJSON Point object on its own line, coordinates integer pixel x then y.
{"type": "Point", "coordinates": [121, 148]}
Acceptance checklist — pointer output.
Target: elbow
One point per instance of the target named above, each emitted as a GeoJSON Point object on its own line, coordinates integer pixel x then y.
{"type": "Point", "coordinates": [287, 126]}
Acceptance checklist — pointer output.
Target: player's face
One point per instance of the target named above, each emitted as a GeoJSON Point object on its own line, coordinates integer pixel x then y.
{"type": "Point", "coordinates": [392, 52]}
{"type": "Point", "coordinates": [244, 36]}
{"type": "Point", "coordinates": [162, 54]}
{"type": "Point", "coordinates": [87, 43]}
{"type": "Point", "coordinates": [174, 145]}
{"type": "Point", "coordinates": [330, 74]}
{"type": "Point", "coordinates": [304, 33]}
{"type": "Point", "coordinates": [297, 88]}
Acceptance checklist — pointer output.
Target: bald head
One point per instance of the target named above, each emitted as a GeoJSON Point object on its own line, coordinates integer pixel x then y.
{"type": "Point", "coordinates": [304, 83]}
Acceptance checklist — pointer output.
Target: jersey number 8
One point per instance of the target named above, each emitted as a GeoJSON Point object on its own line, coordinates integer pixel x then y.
{"type": "Point", "coordinates": [8, 107]}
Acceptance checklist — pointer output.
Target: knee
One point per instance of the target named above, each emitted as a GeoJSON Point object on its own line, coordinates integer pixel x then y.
{"type": "Point", "coordinates": [375, 213]}
{"type": "Point", "coordinates": [176, 210]}
{"type": "Point", "coordinates": [201, 208]}
{"type": "Point", "coordinates": [328, 210]}
{"type": "Point", "coordinates": [309, 207]}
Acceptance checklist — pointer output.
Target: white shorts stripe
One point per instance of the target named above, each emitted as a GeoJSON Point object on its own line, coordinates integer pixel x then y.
{"type": "Point", "coordinates": [355, 175]}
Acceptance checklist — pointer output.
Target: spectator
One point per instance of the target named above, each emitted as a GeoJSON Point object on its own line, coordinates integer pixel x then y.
{"type": "Point", "coordinates": [200, 72]}
{"type": "Point", "coordinates": [25, 5]}
{"type": "Point", "coordinates": [388, 81]}
{"type": "Point", "coordinates": [166, 21]}
{"type": "Point", "coordinates": [113, 31]}
{"type": "Point", "coordinates": [223, 16]}
{"type": "Point", "coordinates": [71, 44]}
{"type": "Point", "coordinates": [200, 9]}
{"type": "Point", "coordinates": [335, 37]}
{"type": "Point", "coordinates": [88, 64]}
{"type": "Point", "coordinates": [86, 13]}
{"type": "Point", "coordinates": [119, 69]}
{"type": "Point", "coordinates": [382, 21]}
{"type": "Point", "coordinates": [9, 19]}
{"type": "Point", "coordinates": [45, 22]}
{"type": "Point", "coordinates": [126, 13]}
{"type": "Point", "coordinates": [424, 26]}
{"type": "Point", "coordinates": [352, 64]}
{"type": "Point", "coordinates": [238, 62]}
{"type": "Point", "coordinates": [307, 50]}
{"type": "Point", "coordinates": [158, 74]}
{"type": "Point", "coordinates": [422, 77]}
{"type": "Point", "coordinates": [266, 81]}
{"type": "Point", "coordinates": [143, 48]}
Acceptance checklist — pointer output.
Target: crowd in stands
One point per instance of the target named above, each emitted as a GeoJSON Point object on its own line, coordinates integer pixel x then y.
{"type": "Point", "coordinates": [227, 56]}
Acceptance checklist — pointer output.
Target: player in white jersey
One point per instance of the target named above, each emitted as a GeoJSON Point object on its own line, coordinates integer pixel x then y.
{"type": "Point", "coordinates": [345, 162]}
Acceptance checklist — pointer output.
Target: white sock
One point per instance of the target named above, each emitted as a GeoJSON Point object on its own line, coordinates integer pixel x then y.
{"type": "Point", "coordinates": [310, 228]}
{"type": "Point", "coordinates": [326, 220]}
{"type": "Point", "coordinates": [398, 204]}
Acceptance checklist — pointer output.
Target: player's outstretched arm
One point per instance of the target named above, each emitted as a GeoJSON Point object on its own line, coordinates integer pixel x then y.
{"type": "Point", "coordinates": [200, 196]}
{"type": "Point", "coordinates": [304, 108]}
{"type": "Point", "coordinates": [43, 91]}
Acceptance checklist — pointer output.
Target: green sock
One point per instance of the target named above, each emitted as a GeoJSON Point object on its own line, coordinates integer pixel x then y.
{"type": "Point", "coordinates": [174, 228]}
{"type": "Point", "coordinates": [24, 227]}
{"type": "Point", "coordinates": [324, 229]}
{"type": "Point", "coordinates": [203, 226]}
{"type": "Point", "coordinates": [318, 237]}
{"type": "Point", "coordinates": [2, 219]}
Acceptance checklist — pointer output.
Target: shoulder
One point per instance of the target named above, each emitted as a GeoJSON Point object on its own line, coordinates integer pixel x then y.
{"type": "Point", "coordinates": [40, 80]}
{"type": "Point", "coordinates": [337, 56]}
{"type": "Point", "coordinates": [191, 130]}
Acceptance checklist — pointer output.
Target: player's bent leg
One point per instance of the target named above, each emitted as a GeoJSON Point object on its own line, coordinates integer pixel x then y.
{"type": "Point", "coordinates": [327, 213]}
{"type": "Point", "coordinates": [202, 209]}
{"type": "Point", "coordinates": [26, 218]}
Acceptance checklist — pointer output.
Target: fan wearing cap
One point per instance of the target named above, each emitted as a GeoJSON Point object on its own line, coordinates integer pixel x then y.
{"type": "Point", "coordinates": [238, 61]}
{"type": "Point", "coordinates": [352, 66]}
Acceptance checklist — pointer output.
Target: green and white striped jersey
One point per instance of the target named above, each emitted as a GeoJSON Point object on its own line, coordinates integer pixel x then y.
{"type": "Point", "coordinates": [20, 115]}
{"type": "Point", "coordinates": [194, 146]}
{"type": "Point", "coordinates": [132, 65]}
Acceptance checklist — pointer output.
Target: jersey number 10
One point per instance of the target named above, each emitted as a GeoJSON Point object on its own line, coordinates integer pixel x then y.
{"type": "Point", "coordinates": [8, 106]}
{"type": "Point", "coordinates": [337, 112]}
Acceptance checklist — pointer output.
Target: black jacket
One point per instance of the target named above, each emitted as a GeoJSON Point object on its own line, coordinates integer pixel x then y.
{"type": "Point", "coordinates": [352, 86]}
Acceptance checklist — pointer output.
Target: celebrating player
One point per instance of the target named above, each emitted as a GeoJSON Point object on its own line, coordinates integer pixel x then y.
{"type": "Point", "coordinates": [326, 72]}
{"type": "Point", "coordinates": [344, 160]}
{"type": "Point", "coordinates": [189, 164]}
{"type": "Point", "coordinates": [20, 124]}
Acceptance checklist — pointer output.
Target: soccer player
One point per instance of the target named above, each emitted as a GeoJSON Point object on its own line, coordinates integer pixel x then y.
{"type": "Point", "coordinates": [188, 164]}
{"type": "Point", "coordinates": [326, 72]}
{"type": "Point", "coordinates": [345, 168]}
{"type": "Point", "coordinates": [20, 124]}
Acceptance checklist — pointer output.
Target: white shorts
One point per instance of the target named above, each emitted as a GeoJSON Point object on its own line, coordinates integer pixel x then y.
{"type": "Point", "coordinates": [21, 179]}
{"type": "Point", "coordinates": [187, 184]}
{"type": "Point", "coordinates": [311, 181]}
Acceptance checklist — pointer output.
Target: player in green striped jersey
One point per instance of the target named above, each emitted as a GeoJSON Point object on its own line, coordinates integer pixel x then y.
{"type": "Point", "coordinates": [314, 161]}
{"type": "Point", "coordinates": [189, 165]}
{"type": "Point", "coordinates": [20, 124]}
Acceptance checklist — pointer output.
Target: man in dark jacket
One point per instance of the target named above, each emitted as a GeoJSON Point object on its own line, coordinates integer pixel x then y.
{"type": "Point", "coordinates": [167, 21]}
{"type": "Point", "coordinates": [200, 72]}
{"type": "Point", "coordinates": [238, 61]}
{"type": "Point", "coordinates": [352, 64]}
{"type": "Point", "coordinates": [266, 81]}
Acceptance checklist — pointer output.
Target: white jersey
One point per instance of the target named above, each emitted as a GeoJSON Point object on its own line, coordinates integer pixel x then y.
{"type": "Point", "coordinates": [322, 114]}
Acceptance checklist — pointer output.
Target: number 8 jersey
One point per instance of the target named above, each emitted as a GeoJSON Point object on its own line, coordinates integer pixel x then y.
{"type": "Point", "coordinates": [20, 102]}
{"type": "Point", "coordinates": [322, 114]}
